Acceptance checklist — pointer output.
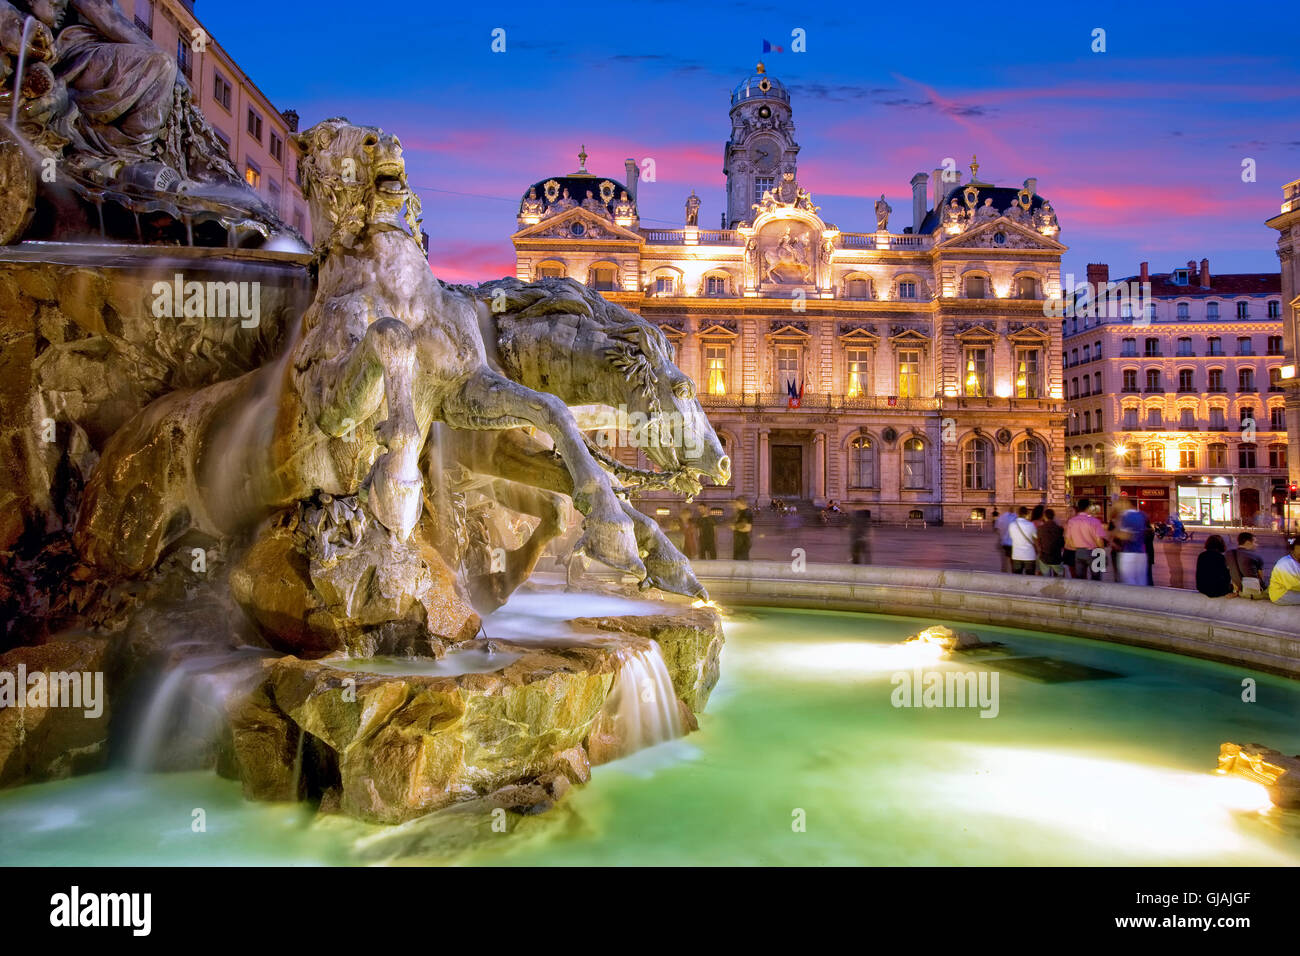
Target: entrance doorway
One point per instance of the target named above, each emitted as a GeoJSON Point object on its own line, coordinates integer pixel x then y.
{"type": "Point", "coordinates": [1249, 505]}
{"type": "Point", "coordinates": [787, 471]}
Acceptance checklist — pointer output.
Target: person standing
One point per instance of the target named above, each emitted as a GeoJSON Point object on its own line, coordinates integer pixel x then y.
{"type": "Point", "coordinates": [1024, 547]}
{"type": "Point", "coordinates": [1247, 569]}
{"type": "Point", "coordinates": [690, 535]}
{"type": "Point", "coordinates": [1051, 546]}
{"type": "Point", "coordinates": [1149, 545]}
{"type": "Point", "coordinates": [1130, 533]}
{"type": "Point", "coordinates": [741, 528]}
{"type": "Point", "coordinates": [707, 529]}
{"type": "Point", "coordinates": [1284, 582]}
{"type": "Point", "coordinates": [1212, 577]}
{"type": "Point", "coordinates": [1001, 525]}
{"type": "Point", "coordinates": [1084, 534]}
{"type": "Point", "coordinates": [861, 536]}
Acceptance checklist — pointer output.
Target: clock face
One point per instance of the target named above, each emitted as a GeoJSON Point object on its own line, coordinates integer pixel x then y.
{"type": "Point", "coordinates": [764, 154]}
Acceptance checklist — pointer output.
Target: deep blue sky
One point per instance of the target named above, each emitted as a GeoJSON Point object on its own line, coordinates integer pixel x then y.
{"type": "Point", "coordinates": [1140, 148]}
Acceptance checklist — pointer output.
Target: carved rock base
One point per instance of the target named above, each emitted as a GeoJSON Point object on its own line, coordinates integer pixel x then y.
{"type": "Point", "coordinates": [377, 597]}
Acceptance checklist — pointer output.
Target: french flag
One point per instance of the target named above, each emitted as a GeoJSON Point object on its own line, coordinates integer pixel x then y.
{"type": "Point", "coordinates": [768, 48]}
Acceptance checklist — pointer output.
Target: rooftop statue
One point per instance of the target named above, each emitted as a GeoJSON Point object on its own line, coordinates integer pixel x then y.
{"type": "Point", "coordinates": [112, 111]}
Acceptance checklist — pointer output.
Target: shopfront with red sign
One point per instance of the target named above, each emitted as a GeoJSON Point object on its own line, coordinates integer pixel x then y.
{"type": "Point", "coordinates": [1152, 500]}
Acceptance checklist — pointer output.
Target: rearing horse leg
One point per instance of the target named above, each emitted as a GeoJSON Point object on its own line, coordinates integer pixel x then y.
{"type": "Point", "coordinates": [522, 460]}
{"type": "Point", "coordinates": [488, 400]}
{"type": "Point", "coordinates": [381, 368]}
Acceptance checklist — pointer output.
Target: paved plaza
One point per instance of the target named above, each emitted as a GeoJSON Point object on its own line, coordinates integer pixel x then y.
{"type": "Point", "coordinates": [970, 549]}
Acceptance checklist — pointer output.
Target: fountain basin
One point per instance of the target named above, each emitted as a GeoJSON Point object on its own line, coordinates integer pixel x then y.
{"type": "Point", "coordinates": [1109, 771]}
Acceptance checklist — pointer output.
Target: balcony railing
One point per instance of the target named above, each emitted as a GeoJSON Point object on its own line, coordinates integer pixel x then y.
{"type": "Point", "coordinates": [818, 402]}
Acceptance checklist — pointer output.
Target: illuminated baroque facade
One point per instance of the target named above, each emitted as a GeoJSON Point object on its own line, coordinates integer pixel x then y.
{"type": "Point", "coordinates": [914, 372]}
{"type": "Point", "coordinates": [1177, 400]}
{"type": "Point", "coordinates": [1287, 223]}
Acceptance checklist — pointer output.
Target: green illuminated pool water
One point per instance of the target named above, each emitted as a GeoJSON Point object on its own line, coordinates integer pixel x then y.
{"type": "Point", "coordinates": [1098, 754]}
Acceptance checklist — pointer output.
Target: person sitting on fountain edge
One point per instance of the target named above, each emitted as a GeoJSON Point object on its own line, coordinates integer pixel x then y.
{"type": "Point", "coordinates": [1284, 583]}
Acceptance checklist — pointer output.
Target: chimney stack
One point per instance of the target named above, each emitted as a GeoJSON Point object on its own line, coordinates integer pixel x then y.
{"type": "Point", "coordinates": [291, 120]}
{"type": "Point", "coordinates": [633, 175]}
{"type": "Point", "coordinates": [1191, 271]}
{"type": "Point", "coordinates": [1146, 272]}
{"type": "Point", "coordinates": [919, 183]}
{"type": "Point", "coordinates": [1205, 273]}
{"type": "Point", "coordinates": [1098, 276]}
{"type": "Point", "coordinates": [939, 184]}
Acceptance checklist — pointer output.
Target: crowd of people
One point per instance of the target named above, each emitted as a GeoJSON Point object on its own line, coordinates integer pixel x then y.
{"type": "Point", "coordinates": [1032, 542]}
{"type": "Point", "coordinates": [695, 532]}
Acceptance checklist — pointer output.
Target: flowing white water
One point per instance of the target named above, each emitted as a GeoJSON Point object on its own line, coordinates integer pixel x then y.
{"type": "Point", "coordinates": [18, 73]}
{"type": "Point", "coordinates": [642, 709]}
{"type": "Point", "coordinates": [187, 704]}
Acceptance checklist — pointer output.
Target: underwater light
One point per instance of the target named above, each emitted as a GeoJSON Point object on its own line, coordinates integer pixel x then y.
{"type": "Point", "coordinates": [1271, 770]}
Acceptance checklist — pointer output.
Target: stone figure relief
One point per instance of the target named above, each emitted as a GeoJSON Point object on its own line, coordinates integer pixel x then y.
{"type": "Point", "coordinates": [955, 216]}
{"type": "Point", "coordinates": [1045, 219]}
{"type": "Point", "coordinates": [986, 212]}
{"type": "Point", "coordinates": [624, 208]}
{"type": "Point", "coordinates": [531, 206]}
{"type": "Point", "coordinates": [789, 254]}
{"type": "Point", "coordinates": [594, 205]}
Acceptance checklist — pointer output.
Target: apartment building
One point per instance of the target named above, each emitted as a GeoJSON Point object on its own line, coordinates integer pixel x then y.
{"type": "Point", "coordinates": [1175, 398]}
{"type": "Point", "coordinates": [257, 135]}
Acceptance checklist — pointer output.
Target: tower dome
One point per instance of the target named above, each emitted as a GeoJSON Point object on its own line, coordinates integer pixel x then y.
{"type": "Point", "coordinates": [759, 85]}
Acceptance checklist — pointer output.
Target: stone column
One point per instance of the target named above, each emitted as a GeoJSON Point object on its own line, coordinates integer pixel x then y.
{"type": "Point", "coordinates": [819, 469]}
{"type": "Point", "coordinates": [764, 469]}
{"type": "Point", "coordinates": [689, 361]}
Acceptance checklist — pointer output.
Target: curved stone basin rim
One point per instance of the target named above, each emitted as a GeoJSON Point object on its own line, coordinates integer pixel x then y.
{"type": "Point", "coordinates": [1254, 634]}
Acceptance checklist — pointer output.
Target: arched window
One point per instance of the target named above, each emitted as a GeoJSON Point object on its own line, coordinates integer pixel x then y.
{"type": "Point", "coordinates": [862, 463]}
{"type": "Point", "coordinates": [550, 270]}
{"type": "Point", "coordinates": [976, 287]}
{"type": "Point", "coordinates": [1246, 380]}
{"type": "Point", "coordinates": [602, 278]}
{"type": "Point", "coordinates": [1156, 456]}
{"type": "Point", "coordinates": [1026, 287]}
{"type": "Point", "coordinates": [977, 464]}
{"type": "Point", "coordinates": [915, 474]}
{"type": "Point", "coordinates": [1099, 458]}
{"type": "Point", "coordinates": [1187, 456]}
{"type": "Point", "coordinates": [857, 287]}
{"type": "Point", "coordinates": [1031, 464]}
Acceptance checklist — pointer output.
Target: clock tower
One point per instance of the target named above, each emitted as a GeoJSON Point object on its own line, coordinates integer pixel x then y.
{"type": "Point", "coordinates": [761, 147]}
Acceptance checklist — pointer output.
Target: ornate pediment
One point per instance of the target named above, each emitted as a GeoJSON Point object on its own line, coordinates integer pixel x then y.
{"type": "Point", "coordinates": [789, 330]}
{"type": "Point", "coordinates": [907, 335]}
{"type": "Point", "coordinates": [577, 224]}
{"type": "Point", "coordinates": [850, 332]}
{"type": "Point", "coordinates": [720, 328]}
{"type": "Point", "coordinates": [1027, 331]}
{"type": "Point", "coordinates": [975, 330]}
{"type": "Point", "coordinates": [1001, 233]}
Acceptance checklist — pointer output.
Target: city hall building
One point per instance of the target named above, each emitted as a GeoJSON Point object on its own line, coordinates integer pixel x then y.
{"type": "Point", "coordinates": [912, 371]}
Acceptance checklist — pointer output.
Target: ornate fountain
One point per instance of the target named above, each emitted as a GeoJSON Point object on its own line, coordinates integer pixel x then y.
{"type": "Point", "coordinates": [308, 460]}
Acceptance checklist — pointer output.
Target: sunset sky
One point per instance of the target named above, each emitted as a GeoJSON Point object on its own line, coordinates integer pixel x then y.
{"type": "Point", "coordinates": [1139, 148]}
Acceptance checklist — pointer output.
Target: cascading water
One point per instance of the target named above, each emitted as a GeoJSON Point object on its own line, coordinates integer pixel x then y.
{"type": "Point", "coordinates": [184, 714]}
{"type": "Point", "coordinates": [18, 73]}
{"type": "Point", "coordinates": [641, 710]}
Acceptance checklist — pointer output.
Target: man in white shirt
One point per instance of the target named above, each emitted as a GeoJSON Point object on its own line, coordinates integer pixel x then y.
{"type": "Point", "coordinates": [1024, 543]}
{"type": "Point", "coordinates": [1001, 528]}
{"type": "Point", "coordinates": [1284, 584]}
